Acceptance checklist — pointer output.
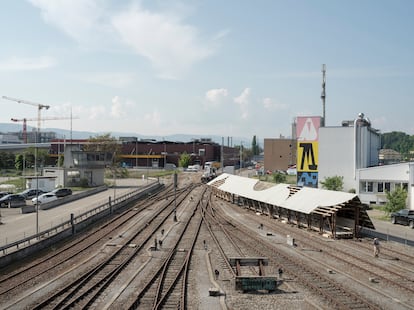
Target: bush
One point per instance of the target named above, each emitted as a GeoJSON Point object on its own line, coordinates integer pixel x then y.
{"type": "Point", "coordinates": [396, 200]}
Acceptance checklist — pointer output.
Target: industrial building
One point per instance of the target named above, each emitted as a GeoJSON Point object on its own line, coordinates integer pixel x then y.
{"type": "Point", "coordinates": [344, 149]}
{"type": "Point", "coordinates": [279, 154]}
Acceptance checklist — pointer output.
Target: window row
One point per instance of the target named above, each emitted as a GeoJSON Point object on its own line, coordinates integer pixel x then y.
{"type": "Point", "coordinates": [380, 187]}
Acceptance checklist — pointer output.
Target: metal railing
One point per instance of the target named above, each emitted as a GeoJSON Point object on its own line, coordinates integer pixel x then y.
{"type": "Point", "coordinates": [108, 206]}
{"type": "Point", "coordinates": [386, 236]}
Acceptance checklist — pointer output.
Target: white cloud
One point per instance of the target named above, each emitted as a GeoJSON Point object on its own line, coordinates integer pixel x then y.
{"type": "Point", "coordinates": [97, 112]}
{"type": "Point", "coordinates": [110, 79]}
{"type": "Point", "coordinates": [268, 104]}
{"type": "Point", "coordinates": [243, 102]}
{"type": "Point", "coordinates": [153, 118]}
{"type": "Point", "coordinates": [82, 112]}
{"type": "Point", "coordinates": [171, 46]}
{"type": "Point", "coordinates": [119, 108]}
{"type": "Point", "coordinates": [82, 20]}
{"type": "Point", "coordinates": [24, 64]}
{"type": "Point", "coordinates": [216, 96]}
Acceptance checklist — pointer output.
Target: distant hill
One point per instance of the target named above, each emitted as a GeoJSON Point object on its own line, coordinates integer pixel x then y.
{"type": "Point", "coordinates": [6, 128]}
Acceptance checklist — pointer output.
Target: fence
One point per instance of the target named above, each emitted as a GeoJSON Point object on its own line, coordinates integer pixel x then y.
{"type": "Point", "coordinates": [385, 236]}
{"type": "Point", "coordinates": [45, 238]}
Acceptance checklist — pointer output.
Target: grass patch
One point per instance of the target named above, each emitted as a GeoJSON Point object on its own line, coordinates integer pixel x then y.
{"type": "Point", "coordinates": [19, 183]}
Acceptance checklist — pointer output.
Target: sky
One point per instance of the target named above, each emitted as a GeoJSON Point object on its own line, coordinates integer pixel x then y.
{"type": "Point", "coordinates": [233, 68]}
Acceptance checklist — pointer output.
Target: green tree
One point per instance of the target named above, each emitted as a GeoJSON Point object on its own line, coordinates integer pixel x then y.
{"type": "Point", "coordinates": [7, 160]}
{"type": "Point", "coordinates": [398, 141]}
{"type": "Point", "coordinates": [255, 147]}
{"type": "Point", "coordinates": [104, 143]}
{"type": "Point", "coordinates": [18, 162]}
{"type": "Point", "coordinates": [335, 183]}
{"type": "Point", "coordinates": [184, 160]}
{"type": "Point", "coordinates": [396, 200]}
{"type": "Point", "coordinates": [279, 177]}
{"type": "Point", "coordinates": [61, 160]}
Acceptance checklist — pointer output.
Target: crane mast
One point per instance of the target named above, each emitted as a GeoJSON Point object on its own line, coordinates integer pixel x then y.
{"type": "Point", "coordinates": [38, 105]}
{"type": "Point", "coordinates": [39, 108]}
{"type": "Point", "coordinates": [25, 120]}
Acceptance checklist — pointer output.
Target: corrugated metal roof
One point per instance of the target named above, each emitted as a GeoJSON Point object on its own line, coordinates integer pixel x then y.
{"type": "Point", "coordinates": [305, 200]}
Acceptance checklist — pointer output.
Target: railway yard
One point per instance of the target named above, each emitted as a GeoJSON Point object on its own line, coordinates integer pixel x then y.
{"type": "Point", "coordinates": [184, 248]}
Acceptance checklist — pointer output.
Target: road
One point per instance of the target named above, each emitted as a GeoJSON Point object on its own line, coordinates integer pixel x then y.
{"type": "Point", "coordinates": [16, 226]}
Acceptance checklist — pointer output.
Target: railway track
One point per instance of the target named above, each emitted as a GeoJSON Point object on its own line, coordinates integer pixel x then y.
{"type": "Point", "coordinates": [167, 285]}
{"type": "Point", "coordinates": [349, 256]}
{"type": "Point", "coordinates": [67, 255]}
{"type": "Point", "coordinates": [17, 279]}
{"type": "Point", "coordinates": [334, 293]}
{"type": "Point", "coordinates": [83, 291]}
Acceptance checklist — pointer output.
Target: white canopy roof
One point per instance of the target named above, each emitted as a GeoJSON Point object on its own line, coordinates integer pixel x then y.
{"type": "Point", "coordinates": [305, 200]}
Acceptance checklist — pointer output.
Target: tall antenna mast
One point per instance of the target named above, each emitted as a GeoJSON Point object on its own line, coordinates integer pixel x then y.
{"type": "Point", "coordinates": [323, 95]}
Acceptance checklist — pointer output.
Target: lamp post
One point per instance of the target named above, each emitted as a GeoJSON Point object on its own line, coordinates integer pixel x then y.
{"type": "Point", "coordinates": [39, 108]}
{"type": "Point", "coordinates": [165, 154]}
{"type": "Point", "coordinates": [114, 169]}
{"type": "Point", "coordinates": [149, 153]}
{"type": "Point", "coordinates": [136, 153]}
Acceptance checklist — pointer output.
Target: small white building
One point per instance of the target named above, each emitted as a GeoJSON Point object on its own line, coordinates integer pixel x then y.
{"type": "Point", "coordinates": [373, 182]}
{"type": "Point", "coordinates": [45, 183]}
{"type": "Point", "coordinates": [80, 167]}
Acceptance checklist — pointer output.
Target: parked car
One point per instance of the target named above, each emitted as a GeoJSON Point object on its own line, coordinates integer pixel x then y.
{"type": "Point", "coordinates": [44, 198]}
{"type": "Point", "coordinates": [2, 194]}
{"type": "Point", "coordinates": [62, 192]}
{"type": "Point", "coordinates": [12, 200]}
{"type": "Point", "coordinates": [31, 193]}
{"type": "Point", "coordinates": [404, 216]}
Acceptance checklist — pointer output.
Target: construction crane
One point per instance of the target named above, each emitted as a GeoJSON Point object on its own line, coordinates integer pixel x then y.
{"type": "Point", "coordinates": [39, 108]}
{"type": "Point", "coordinates": [38, 105]}
{"type": "Point", "coordinates": [25, 120]}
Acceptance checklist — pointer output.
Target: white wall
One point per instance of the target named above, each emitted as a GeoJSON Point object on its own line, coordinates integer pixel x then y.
{"type": "Point", "coordinates": [340, 156]}
{"type": "Point", "coordinates": [336, 155]}
{"type": "Point", "coordinates": [394, 174]}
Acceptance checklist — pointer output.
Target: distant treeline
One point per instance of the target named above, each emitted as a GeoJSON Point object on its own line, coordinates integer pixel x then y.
{"type": "Point", "coordinates": [398, 141]}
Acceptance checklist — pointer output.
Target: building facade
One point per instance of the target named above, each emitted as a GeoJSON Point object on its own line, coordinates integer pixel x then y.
{"type": "Point", "coordinates": [345, 149]}
{"type": "Point", "coordinates": [373, 182]}
{"type": "Point", "coordinates": [279, 154]}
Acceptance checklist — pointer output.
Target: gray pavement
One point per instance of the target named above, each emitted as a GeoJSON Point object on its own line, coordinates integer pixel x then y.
{"type": "Point", "coordinates": [385, 226]}
{"type": "Point", "coordinates": [16, 226]}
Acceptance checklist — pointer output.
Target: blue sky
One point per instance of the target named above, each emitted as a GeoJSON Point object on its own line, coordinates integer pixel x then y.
{"type": "Point", "coordinates": [227, 68]}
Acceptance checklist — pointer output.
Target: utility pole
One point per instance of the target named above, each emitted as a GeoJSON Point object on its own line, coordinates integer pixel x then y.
{"type": "Point", "coordinates": [222, 155]}
{"type": "Point", "coordinates": [241, 156]}
{"type": "Point", "coordinates": [39, 108]}
{"type": "Point", "coordinates": [323, 95]}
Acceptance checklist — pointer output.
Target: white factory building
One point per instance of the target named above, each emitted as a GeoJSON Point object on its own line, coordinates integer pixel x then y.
{"type": "Point", "coordinates": [352, 151]}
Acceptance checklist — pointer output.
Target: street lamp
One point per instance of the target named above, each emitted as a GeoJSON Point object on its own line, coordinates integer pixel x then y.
{"type": "Point", "coordinates": [39, 108]}
{"type": "Point", "coordinates": [148, 156]}
{"type": "Point", "coordinates": [114, 169]}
